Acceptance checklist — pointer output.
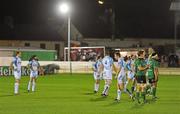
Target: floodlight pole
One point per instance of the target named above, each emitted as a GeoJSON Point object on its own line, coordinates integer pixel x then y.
{"type": "Point", "coordinates": [175, 31]}
{"type": "Point", "coordinates": [69, 43]}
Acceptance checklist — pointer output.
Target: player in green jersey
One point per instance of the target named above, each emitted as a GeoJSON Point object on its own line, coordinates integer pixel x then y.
{"type": "Point", "coordinates": [152, 73]}
{"type": "Point", "coordinates": [140, 71]}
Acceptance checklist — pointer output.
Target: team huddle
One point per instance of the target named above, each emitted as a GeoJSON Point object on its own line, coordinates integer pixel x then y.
{"type": "Point", "coordinates": [139, 73]}
{"type": "Point", "coordinates": [33, 65]}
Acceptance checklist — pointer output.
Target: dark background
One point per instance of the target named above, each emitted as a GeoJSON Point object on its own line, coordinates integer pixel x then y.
{"type": "Point", "coordinates": [134, 18]}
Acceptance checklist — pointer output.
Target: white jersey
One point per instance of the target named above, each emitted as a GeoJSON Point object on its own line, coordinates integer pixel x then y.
{"type": "Point", "coordinates": [122, 74]}
{"type": "Point", "coordinates": [17, 67]}
{"type": "Point", "coordinates": [130, 69]}
{"type": "Point", "coordinates": [34, 65]}
{"type": "Point", "coordinates": [16, 63]}
{"type": "Point", "coordinates": [121, 65]}
{"type": "Point", "coordinates": [107, 63]}
{"type": "Point", "coordinates": [97, 69]}
{"type": "Point", "coordinates": [107, 71]}
{"type": "Point", "coordinates": [97, 66]}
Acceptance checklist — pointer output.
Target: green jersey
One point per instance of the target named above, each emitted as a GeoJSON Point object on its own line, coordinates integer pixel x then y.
{"type": "Point", "coordinates": [140, 63]}
{"type": "Point", "coordinates": [152, 65]}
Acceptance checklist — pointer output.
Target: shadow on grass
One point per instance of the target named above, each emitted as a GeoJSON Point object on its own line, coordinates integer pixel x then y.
{"type": "Point", "coordinates": [89, 93]}
{"type": "Point", "coordinates": [113, 103]}
{"type": "Point", "coordinates": [9, 95]}
{"type": "Point", "coordinates": [98, 99]}
{"type": "Point", "coordinates": [140, 105]}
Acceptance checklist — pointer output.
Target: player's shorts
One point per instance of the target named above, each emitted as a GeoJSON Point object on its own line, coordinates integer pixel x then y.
{"type": "Point", "coordinates": [121, 78]}
{"type": "Point", "coordinates": [107, 74]}
{"type": "Point", "coordinates": [141, 79]}
{"type": "Point", "coordinates": [130, 74]}
{"type": "Point", "coordinates": [17, 75]}
{"type": "Point", "coordinates": [34, 74]}
{"type": "Point", "coordinates": [152, 80]}
{"type": "Point", "coordinates": [97, 76]}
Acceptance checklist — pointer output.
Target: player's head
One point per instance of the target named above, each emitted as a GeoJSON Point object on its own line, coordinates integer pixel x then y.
{"type": "Point", "coordinates": [18, 53]}
{"type": "Point", "coordinates": [141, 54]}
{"type": "Point", "coordinates": [107, 53]}
{"type": "Point", "coordinates": [117, 55]}
{"type": "Point", "coordinates": [35, 57]}
{"type": "Point", "coordinates": [132, 57]}
{"type": "Point", "coordinates": [126, 58]}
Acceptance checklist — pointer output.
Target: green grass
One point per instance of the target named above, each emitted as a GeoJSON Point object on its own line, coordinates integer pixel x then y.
{"type": "Point", "coordinates": [65, 94]}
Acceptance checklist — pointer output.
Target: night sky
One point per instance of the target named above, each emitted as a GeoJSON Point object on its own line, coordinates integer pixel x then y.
{"type": "Point", "coordinates": [134, 18]}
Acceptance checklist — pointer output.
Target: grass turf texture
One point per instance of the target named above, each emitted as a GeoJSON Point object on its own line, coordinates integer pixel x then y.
{"type": "Point", "coordinates": [65, 94]}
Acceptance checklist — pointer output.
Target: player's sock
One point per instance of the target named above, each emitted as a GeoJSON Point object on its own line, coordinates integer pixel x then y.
{"type": "Point", "coordinates": [16, 88]}
{"type": "Point", "coordinates": [106, 88]}
{"type": "Point", "coordinates": [154, 91]}
{"type": "Point", "coordinates": [137, 96]}
{"type": "Point", "coordinates": [143, 94]}
{"type": "Point", "coordinates": [29, 85]}
{"type": "Point", "coordinates": [118, 94]}
{"type": "Point", "coordinates": [128, 92]}
{"type": "Point", "coordinates": [148, 89]}
{"type": "Point", "coordinates": [96, 87]}
{"type": "Point", "coordinates": [132, 89]}
{"type": "Point", "coordinates": [33, 86]}
{"type": "Point", "coordinates": [125, 86]}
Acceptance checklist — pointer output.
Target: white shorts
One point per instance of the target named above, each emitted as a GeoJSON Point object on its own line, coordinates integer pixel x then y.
{"type": "Point", "coordinates": [130, 74]}
{"type": "Point", "coordinates": [97, 76]}
{"type": "Point", "coordinates": [107, 74]}
{"type": "Point", "coordinates": [17, 75]}
{"type": "Point", "coordinates": [34, 74]}
{"type": "Point", "coordinates": [121, 78]}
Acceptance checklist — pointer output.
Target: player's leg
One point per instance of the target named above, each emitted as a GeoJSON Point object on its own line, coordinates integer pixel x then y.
{"type": "Point", "coordinates": [96, 84]}
{"type": "Point", "coordinates": [143, 92]}
{"type": "Point", "coordinates": [17, 76]}
{"type": "Point", "coordinates": [33, 84]}
{"type": "Point", "coordinates": [138, 89]}
{"type": "Point", "coordinates": [127, 81]}
{"type": "Point", "coordinates": [29, 84]}
{"type": "Point", "coordinates": [154, 86]}
{"type": "Point", "coordinates": [124, 82]}
{"type": "Point", "coordinates": [108, 81]}
{"type": "Point", "coordinates": [107, 86]}
{"type": "Point", "coordinates": [120, 87]}
{"type": "Point", "coordinates": [30, 80]}
{"type": "Point", "coordinates": [34, 80]}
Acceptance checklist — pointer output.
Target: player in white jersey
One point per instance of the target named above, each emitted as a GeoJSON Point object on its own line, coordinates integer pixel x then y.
{"type": "Point", "coordinates": [130, 73]}
{"type": "Point", "coordinates": [16, 64]}
{"type": "Point", "coordinates": [108, 64]}
{"type": "Point", "coordinates": [34, 68]}
{"type": "Point", "coordinates": [121, 78]}
{"type": "Point", "coordinates": [97, 68]}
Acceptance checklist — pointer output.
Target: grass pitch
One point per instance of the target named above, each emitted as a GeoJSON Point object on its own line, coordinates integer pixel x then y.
{"type": "Point", "coordinates": [66, 94]}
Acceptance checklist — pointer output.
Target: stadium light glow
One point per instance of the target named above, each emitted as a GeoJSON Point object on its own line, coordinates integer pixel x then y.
{"type": "Point", "coordinates": [64, 8]}
{"type": "Point", "coordinates": [101, 2]}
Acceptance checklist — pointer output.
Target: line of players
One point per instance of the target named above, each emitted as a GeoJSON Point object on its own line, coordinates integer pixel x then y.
{"type": "Point", "coordinates": [141, 72]}
{"type": "Point", "coordinates": [33, 65]}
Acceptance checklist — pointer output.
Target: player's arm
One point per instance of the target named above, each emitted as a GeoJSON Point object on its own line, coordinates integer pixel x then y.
{"type": "Point", "coordinates": [39, 66]}
{"type": "Point", "coordinates": [142, 68]}
{"type": "Point", "coordinates": [13, 64]}
{"type": "Point", "coordinates": [115, 69]}
{"type": "Point", "coordinates": [93, 67]}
